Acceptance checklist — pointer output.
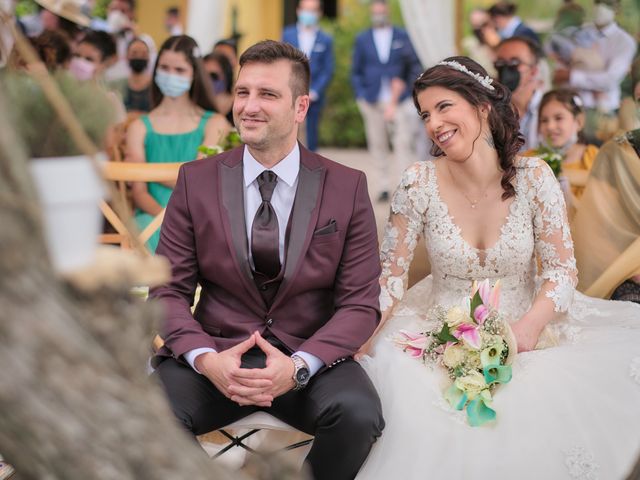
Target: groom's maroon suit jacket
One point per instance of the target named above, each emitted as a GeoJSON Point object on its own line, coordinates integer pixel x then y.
{"type": "Point", "coordinates": [327, 303]}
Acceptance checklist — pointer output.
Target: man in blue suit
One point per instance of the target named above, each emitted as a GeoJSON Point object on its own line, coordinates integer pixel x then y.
{"type": "Point", "coordinates": [318, 47]}
{"type": "Point", "coordinates": [384, 67]}
{"type": "Point", "coordinates": [508, 24]}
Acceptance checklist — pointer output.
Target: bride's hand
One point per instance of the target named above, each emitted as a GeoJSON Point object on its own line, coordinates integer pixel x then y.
{"type": "Point", "coordinates": [365, 349]}
{"type": "Point", "coordinates": [526, 335]}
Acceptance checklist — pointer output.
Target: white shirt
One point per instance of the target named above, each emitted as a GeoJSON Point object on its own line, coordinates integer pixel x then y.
{"type": "Point", "coordinates": [306, 39]}
{"type": "Point", "coordinates": [510, 29]}
{"type": "Point", "coordinates": [382, 38]}
{"type": "Point", "coordinates": [529, 121]}
{"type": "Point", "coordinates": [601, 88]}
{"type": "Point", "coordinates": [282, 202]}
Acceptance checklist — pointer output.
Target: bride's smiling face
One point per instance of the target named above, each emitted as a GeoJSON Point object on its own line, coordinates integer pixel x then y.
{"type": "Point", "coordinates": [450, 121]}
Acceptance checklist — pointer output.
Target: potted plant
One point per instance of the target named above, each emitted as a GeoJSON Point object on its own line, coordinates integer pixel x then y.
{"type": "Point", "coordinates": [68, 184]}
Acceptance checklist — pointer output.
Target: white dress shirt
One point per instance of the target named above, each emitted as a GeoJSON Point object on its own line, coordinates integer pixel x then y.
{"type": "Point", "coordinates": [601, 88]}
{"type": "Point", "coordinates": [306, 39]}
{"type": "Point", "coordinates": [382, 38]}
{"type": "Point", "coordinates": [282, 202]}
{"type": "Point", "coordinates": [529, 121]}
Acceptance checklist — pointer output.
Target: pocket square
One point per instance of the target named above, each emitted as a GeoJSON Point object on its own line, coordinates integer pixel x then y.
{"type": "Point", "coordinates": [327, 229]}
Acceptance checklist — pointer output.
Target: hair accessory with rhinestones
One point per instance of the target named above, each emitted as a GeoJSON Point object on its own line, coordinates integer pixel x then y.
{"type": "Point", "coordinates": [485, 81]}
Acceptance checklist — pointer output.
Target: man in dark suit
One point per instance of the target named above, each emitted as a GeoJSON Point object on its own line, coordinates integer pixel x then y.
{"type": "Point", "coordinates": [383, 69]}
{"type": "Point", "coordinates": [283, 243]}
{"type": "Point", "coordinates": [508, 24]}
{"type": "Point", "coordinates": [318, 47]}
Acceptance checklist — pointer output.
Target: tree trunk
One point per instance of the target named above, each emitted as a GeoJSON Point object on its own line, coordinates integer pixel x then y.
{"type": "Point", "coordinates": [75, 399]}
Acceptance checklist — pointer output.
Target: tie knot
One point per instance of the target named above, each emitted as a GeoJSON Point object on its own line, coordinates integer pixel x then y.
{"type": "Point", "coordinates": [267, 183]}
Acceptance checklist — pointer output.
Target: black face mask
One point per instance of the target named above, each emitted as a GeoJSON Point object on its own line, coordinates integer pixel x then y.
{"type": "Point", "coordinates": [509, 76]}
{"type": "Point", "coordinates": [138, 65]}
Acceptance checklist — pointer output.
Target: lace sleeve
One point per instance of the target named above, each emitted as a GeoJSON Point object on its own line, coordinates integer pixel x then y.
{"type": "Point", "coordinates": [405, 224]}
{"type": "Point", "coordinates": [553, 243]}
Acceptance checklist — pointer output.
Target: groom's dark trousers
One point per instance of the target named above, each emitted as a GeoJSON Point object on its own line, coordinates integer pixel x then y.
{"type": "Point", "coordinates": [323, 302]}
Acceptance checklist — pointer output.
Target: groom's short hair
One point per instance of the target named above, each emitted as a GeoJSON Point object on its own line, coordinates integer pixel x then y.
{"type": "Point", "coordinates": [270, 51]}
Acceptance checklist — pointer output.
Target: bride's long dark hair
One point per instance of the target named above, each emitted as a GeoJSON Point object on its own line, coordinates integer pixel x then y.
{"type": "Point", "coordinates": [503, 116]}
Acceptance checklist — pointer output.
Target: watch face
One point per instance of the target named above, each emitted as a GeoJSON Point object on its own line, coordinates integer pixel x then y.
{"type": "Point", "coordinates": [302, 376]}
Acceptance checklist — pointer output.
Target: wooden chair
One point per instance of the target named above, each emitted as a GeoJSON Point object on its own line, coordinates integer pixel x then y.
{"type": "Point", "coordinates": [624, 267]}
{"type": "Point", "coordinates": [125, 172]}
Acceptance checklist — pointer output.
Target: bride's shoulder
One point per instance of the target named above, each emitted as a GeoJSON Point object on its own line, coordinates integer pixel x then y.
{"type": "Point", "coordinates": [532, 163]}
{"type": "Point", "coordinates": [417, 174]}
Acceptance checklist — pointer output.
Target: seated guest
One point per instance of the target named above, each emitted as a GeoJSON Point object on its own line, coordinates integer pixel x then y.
{"type": "Point", "coordinates": [560, 122]}
{"type": "Point", "coordinates": [517, 64]}
{"type": "Point", "coordinates": [137, 91]}
{"type": "Point", "coordinates": [608, 220]}
{"type": "Point", "coordinates": [182, 119]}
{"type": "Point", "coordinates": [220, 71]}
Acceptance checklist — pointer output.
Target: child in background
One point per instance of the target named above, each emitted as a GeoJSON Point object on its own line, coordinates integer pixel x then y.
{"type": "Point", "coordinates": [560, 122]}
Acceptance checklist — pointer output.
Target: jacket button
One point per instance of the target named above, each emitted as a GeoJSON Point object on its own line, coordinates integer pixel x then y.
{"type": "Point", "coordinates": [264, 287]}
{"type": "Point", "coordinates": [270, 322]}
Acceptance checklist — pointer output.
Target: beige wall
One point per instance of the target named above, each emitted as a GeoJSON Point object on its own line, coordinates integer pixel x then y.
{"type": "Point", "coordinates": [257, 20]}
{"type": "Point", "coordinates": [150, 17]}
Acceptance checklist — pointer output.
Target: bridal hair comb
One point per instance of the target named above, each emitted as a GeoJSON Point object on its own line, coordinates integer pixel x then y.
{"type": "Point", "coordinates": [485, 81]}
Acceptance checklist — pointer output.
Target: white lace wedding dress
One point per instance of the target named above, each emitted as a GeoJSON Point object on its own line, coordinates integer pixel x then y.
{"type": "Point", "coordinates": [572, 409]}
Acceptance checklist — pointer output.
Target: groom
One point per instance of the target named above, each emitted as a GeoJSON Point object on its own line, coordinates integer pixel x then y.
{"type": "Point", "coordinates": [283, 243]}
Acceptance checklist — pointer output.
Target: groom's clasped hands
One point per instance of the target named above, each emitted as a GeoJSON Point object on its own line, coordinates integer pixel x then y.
{"type": "Point", "coordinates": [248, 386]}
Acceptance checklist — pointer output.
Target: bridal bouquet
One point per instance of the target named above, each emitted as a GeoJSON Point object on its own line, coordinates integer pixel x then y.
{"type": "Point", "coordinates": [475, 345]}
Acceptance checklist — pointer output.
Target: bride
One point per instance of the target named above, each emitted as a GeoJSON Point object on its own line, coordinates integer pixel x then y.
{"type": "Point", "coordinates": [572, 409]}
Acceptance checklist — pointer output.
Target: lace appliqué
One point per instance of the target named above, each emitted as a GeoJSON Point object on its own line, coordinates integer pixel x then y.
{"type": "Point", "coordinates": [581, 464]}
{"type": "Point", "coordinates": [536, 227]}
{"type": "Point", "coordinates": [634, 370]}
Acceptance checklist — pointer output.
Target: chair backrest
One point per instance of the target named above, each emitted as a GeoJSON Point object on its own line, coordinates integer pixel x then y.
{"type": "Point", "coordinates": [623, 267]}
{"type": "Point", "coordinates": [134, 172]}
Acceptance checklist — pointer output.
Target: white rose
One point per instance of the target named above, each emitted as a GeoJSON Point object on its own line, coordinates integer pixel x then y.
{"type": "Point", "coordinates": [472, 384]}
{"type": "Point", "coordinates": [454, 356]}
{"type": "Point", "coordinates": [456, 316]}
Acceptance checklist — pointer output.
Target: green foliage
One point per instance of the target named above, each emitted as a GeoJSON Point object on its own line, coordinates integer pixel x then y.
{"type": "Point", "coordinates": [100, 8]}
{"type": "Point", "coordinates": [232, 140]}
{"type": "Point", "coordinates": [26, 7]}
{"type": "Point", "coordinates": [38, 125]}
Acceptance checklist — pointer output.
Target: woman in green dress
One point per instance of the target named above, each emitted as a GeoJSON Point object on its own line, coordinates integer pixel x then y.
{"type": "Point", "coordinates": [182, 119]}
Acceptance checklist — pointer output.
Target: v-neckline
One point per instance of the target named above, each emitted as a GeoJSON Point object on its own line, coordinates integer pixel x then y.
{"type": "Point", "coordinates": [457, 227]}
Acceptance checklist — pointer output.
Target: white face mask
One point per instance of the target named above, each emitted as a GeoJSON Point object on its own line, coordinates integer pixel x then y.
{"type": "Point", "coordinates": [603, 15]}
{"type": "Point", "coordinates": [117, 21]}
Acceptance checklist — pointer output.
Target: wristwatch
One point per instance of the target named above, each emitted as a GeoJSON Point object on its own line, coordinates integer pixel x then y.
{"type": "Point", "coordinates": [301, 374]}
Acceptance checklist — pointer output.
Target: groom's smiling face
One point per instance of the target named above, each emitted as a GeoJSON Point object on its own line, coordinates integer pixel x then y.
{"type": "Point", "coordinates": [264, 110]}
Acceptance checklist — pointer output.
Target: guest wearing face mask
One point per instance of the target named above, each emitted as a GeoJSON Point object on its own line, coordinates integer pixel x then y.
{"type": "Point", "coordinates": [95, 52]}
{"type": "Point", "coordinates": [600, 88]}
{"type": "Point", "coordinates": [182, 119]}
{"type": "Point", "coordinates": [383, 69]}
{"type": "Point", "coordinates": [122, 25]}
{"type": "Point", "coordinates": [137, 91]}
{"type": "Point", "coordinates": [317, 45]}
{"type": "Point", "coordinates": [517, 60]}
{"type": "Point", "coordinates": [220, 72]}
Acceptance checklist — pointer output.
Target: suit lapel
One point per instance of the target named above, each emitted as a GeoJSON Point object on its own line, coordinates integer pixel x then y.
{"type": "Point", "coordinates": [304, 217]}
{"type": "Point", "coordinates": [231, 190]}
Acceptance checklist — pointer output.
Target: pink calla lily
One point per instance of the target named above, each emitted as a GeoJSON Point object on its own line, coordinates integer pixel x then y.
{"type": "Point", "coordinates": [484, 289]}
{"type": "Point", "coordinates": [469, 334]}
{"type": "Point", "coordinates": [413, 343]}
{"type": "Point", "coordinates": [480, 314]}
{"type": "Point", "coordinates": [494, 298]}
